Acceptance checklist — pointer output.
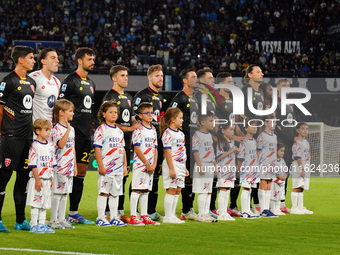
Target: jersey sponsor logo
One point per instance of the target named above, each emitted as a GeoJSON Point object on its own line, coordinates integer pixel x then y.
{"type": "Point", "coordinates": [27, 102]}
{"type": "Point", "coordinates": [24, 82]}
{"type": "Point", "coordinates": [61, 95]}
{"type": "Point", "coordinates": [85, 82]}
{"type": "Point", "coordinates": [2, 86]}
{"type": "Point", "coordinates": [156, 114]}
{"type": "Point", "coordinates": [1, 94]}
{"type": "Point", "coordinates": [174, 104]}
{"type": "Point", "coordinates": [290, 118]}
{"type": "Point", "coordinates": [63, 87]}
{"type": "Point", "coordinates": [7, 162]}
{"type": "Point", "coordinates": [193, 117]}
{"type": "Point", "coordinates": [51, 101]}
{"type": "Point", "coordinates": [259, 106]}
{"type": "Point", "coordinates": [19, 88]}
{"type": "Point", "coordinates": [138, 100]}
{"type": "Point", "coordinates": [126, 115]}
{"type": "Point", "coordinates": [87, 102]}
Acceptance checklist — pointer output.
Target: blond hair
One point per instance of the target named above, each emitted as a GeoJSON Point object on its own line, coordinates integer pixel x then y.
{"type": "Point", "coordinates": [62, 104]}
{"type": "Point", "coordinates": [154, 68]}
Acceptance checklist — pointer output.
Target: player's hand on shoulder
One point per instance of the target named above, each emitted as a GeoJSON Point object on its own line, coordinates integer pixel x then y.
{"type": "Point", "coordinates": [137, 126]}
{"type": "Point", "coordinates": [153, 128]}
{"type": "Point", "coordinates": [239, 139]}
{"type": "Point", "coordinates": [187, 173]}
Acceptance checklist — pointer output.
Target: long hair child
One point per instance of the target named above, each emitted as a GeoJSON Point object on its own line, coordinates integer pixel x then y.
{"type": "Point", "coordinates": [174, 168]}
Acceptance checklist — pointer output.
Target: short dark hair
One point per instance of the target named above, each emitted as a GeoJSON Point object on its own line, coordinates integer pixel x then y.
{"type": "Point", "coordinates": [202, 117]}
{"type": "Point", "coordinates": [144, 105]}
{"type": "Point", "coordinates": [20, 51]}
{"type": "Point", "coordinates": [202, 72]}
{"type": "Point", "coordinates": [300, 124]}
{"type": "Point", "coordinates": [43, 54]}
{"type": "Point", "coordinates": [82, 51]}
{"type": "Point", "coordinates": [116, 69]}
{"type": "Point", "coordinates": [184, 73]}
{"type": "Point", "coordinates": [222, 76]}
{"type": "Point", "coordinates": [104, 107]}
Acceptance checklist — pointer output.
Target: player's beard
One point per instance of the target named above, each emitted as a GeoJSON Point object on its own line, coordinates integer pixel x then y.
{"type": "Point", "coordinates": [88, 68]}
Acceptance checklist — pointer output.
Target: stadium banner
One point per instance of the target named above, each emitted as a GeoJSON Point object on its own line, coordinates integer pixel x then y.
{"type": "Point", "coordinates": [279, 46]}
{"type": "Point", "coordinates": [36, 44]}
{"type": "Point", "coordinates": [332, 28]}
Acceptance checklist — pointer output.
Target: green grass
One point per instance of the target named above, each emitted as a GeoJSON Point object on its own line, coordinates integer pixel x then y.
{"type": "Point", "coordinates": [290, 234]}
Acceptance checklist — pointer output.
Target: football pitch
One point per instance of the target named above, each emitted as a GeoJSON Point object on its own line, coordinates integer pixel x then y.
{"type": "Point", "coordinates": [290, 234]}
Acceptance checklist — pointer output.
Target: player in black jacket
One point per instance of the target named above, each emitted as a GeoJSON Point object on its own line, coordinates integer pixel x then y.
{"type": "Point", "coordinates": [79, 89]}
{"type": "Point", "coordinates": [151, 95]}
{"type": "Point", "coordinates": [185, 101]}
{"type": "Point", "coordinates": [16, 101]}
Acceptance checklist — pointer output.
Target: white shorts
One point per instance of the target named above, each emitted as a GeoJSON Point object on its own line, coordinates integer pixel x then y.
{"type": "Point", "coordinates": [266, 173]}
{"type": "Point", "coordinates": [62, 184]}
{"type": "Point", "coordinates": [277, 191]}
{"type": "Point", "coordinates": [248, 185]}
{"type": "Point", "coordinates": [40, 199]}
{"type": "Point", "coordinates": [226, 177]}
{"type": "Point", "coordinates": [110, 185]}
{"type": "Point", "coordinates": [298, 181]}
{"type": "Point", "coordinates": [169, 182]}
{"type": "Point", "coordinates": [202, 183]}
{"type": "Point", "coordinates": [141, 180]}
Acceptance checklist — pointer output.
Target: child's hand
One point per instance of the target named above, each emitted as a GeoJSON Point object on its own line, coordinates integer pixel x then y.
{"type": "Point", "coordinates": [68, 125]}
{"type": "Point", "coordinates": [149, 169]}
{"type": "Point", "coordinates": [172, 173]}
{"type": "Point", "coordinates": [102, 171]}
{"type": "Point", "coordinates": [200, 170]}
{"type": "Point", "coordinates": [125, 172]}
{"type": "Point", "coordinates": [187, 173]}
{"type": "Point", "coordinates": [38, 185]}
{"type": "Point", "coordinates": [52, 183]}
{"type": "Point", "coordinates": [302, 174]}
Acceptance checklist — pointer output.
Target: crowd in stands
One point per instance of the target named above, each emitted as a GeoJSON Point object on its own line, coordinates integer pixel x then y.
{"type": "Point", "coordinates": [220, 34]}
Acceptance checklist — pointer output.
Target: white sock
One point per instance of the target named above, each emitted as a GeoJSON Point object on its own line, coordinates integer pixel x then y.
{"type": "Point", "coordinates": [294, 196]}
{"type": "Point", "coordinates": [168, 203]}
{"type": "Point", "coordinates": [207, 204]}
{"type": "Point", "coordinates": [300, 199]}
{"type": "Point", "coordinates": [277, 205]}
{"type": "Point", "coordinates": [34, 216]}
{"type": "Point", "coordinates": [202, 197]}
{"type": "Point", "coordinates": [62, 207]}
{"type": "Point", "coordinates": [245, 202]}
{"type": "Point", "coordinates": [72, 212]}
{"type": "Point", "coordinates": [42, 216]}
{"type": "Point", "coordinates": [272, 205]}
{"type": "Point", "coordinates": [55, 206]}
{"type": "Point", "coordinates": [222, 197]}
{"type": "Point", "coordinates": [282, 204]}
{"type": "Point", "coordinates": [143, 201]}
{"type": "Point", "coordinates": [101, 206]}
{"type": "Point", "coordinates": [266, 199]}
{"type": "Point", "coordinates": [174, 204]}
{"type": "Point", "coordinates": [133, 203]}
{"type": "Point", "coordinates": [113, 204]}
{"type": "Point", "coordinates": [227, 199]}
{"type": "Point", "coordinates": [262, 195]}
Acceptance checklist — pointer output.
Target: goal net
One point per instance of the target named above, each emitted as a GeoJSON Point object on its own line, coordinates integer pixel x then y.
{"type": "Point", "coordinates": [325, 149]}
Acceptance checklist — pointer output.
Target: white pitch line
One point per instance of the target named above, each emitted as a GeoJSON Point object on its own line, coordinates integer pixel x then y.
{"type": "Point", "coordinates": [48, 251]}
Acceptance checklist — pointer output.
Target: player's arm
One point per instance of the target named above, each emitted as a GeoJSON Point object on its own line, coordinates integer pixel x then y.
{"type": "Point", "coordinates": [62, 142]}
{"type": "Point", "coordinates": [1, 116]}
{"type": "Point", "coordinates": [75, 171]}
{"type": "Point", "coordinates": [98, 156]}
{"type": "Point", "coordinates": [155, 160]}
{"type": "Point", "coordinates": [168, 157]}
{"type": "Point", "coordinates": [215, 169]}
{"type": "Point", "coordinates": [198, 162]}
{"type": "Point", "coordinates": [38, 184]}
{"type": "Point", "coordinates": [299, 161]}
{"type": "Point", "coordinates": [125, 173]}
{"type": "Point", "coordinates": [141, 156]}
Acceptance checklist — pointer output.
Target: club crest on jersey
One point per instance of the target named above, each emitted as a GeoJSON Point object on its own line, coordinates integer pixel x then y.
{"type": "Point", "coordinates": [2, 86]}
{"type": "Point", "coordinates": [63, 87]}
{"type": "Point", "coordinates": [32, 87]}
{"type": "Point", "coordinates": [129, 102]}
{"type": "Point", "coordinates": [7, 162]}
{"type": "Point", "coordinates": [92, 90]}
{"type": "Point", "coordinates": [138, 101]}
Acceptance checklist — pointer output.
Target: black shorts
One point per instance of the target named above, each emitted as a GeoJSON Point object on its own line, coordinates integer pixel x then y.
{"type": "Point", "coordinates": [83, 150]}
{"type": "Point", "coordinates": [14, 153]}
{"type": "Point", "coordinates": [158, 170]}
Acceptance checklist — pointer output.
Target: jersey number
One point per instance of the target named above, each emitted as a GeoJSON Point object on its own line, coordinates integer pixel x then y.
{"type": "Point", "coordinates": [86, 157]}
